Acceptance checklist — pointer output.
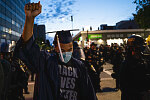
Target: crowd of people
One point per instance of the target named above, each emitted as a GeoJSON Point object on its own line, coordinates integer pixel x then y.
{"type": "Point", "coordinates": [71, 72]}
{"type": "Point", "coordinates": [130, 66]}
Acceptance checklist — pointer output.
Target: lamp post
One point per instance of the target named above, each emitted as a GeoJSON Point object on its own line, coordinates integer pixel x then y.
{"type": "Point", "coordinates": [87, 33]}
{"type": "Point", "coordinates": [72, 23]}
{"type": "Point", "coordinates": [87, 36]}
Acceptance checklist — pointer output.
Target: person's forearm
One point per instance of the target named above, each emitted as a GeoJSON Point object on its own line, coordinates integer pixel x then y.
{"type": "Point", "coordinates": [28, 29]}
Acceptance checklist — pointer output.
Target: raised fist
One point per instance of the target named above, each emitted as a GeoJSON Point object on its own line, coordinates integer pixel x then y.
{"type": "Point", "coordinates": [32, 9]}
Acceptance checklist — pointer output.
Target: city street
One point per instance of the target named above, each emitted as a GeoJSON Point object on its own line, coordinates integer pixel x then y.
{"type": "Point", "coordinates": [44, 37]}
{"type": "Point", "coordinates": [107, 86]}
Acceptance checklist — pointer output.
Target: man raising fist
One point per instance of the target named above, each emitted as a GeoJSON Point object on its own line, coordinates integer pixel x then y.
{"type": "Point", "coordinates": [59, 76]}
{"type": "Point", "coordinates": [31, 11]}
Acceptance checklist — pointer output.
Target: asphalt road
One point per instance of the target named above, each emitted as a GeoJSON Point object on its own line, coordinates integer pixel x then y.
{"type": "Point", "coordinates": [108, 85]}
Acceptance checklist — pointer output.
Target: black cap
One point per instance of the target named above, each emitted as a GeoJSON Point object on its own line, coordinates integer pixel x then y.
{"type": "Point", "coordinates": [64, 37]}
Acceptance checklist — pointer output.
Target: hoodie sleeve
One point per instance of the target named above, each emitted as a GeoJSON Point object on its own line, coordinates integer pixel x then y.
{"type": "Point", "coordinates": [29, 52]}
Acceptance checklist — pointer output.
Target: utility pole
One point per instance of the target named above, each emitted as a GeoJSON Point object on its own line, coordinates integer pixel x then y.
{"type": "Point", "coordinates": [87, 36]}
{"type": "Point", "coordinates": [72, 23]}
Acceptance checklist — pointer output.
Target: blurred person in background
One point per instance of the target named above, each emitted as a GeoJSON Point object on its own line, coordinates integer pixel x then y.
{"type": "Point", "coordinates": [135, 71]}
{"type": "Point", "coordinates": [14, 75]}
{"type": "Point", "coordinates": [6, 69]}
{"type": "Point", "coordinates": [117, 60]}
{"type": "Point", "coordinates": [94, 57]}
{"type": "Point", "coordinates": [79, 54]}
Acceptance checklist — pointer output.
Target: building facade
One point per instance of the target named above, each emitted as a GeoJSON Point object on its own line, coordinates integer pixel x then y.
{"type": "Point", "coordinates": [124, 24]}
{"type": "Point", "coordinates": [127, 24]}
{"type": "Point", "coordinates": [106, 27]}
{"type": "Point", "coordinates": [35, 30]}
{"type": "Point", "coordinates": [111, 34]}
{"type": "Point", "coordinates": [12, 19]}
{"type": "Point", "coordinates": [39, 32]}
{"type": "Point", "coordinates": [118, 36]}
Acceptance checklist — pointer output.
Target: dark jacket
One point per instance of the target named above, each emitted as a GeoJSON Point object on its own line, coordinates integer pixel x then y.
{"type": "Point", "coordinates": [46, 68]}
{"type": "Point", "coordinates": [1, 79]}
{"type": "Point", "coordinates": [134, 76]}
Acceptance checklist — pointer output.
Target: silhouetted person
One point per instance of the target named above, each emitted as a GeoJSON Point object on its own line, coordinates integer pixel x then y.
{"type": "Point", "coordinates": [135, 71]}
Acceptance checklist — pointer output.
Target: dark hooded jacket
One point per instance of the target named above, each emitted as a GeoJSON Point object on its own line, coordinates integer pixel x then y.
{"type": "Point", "coordinates": [47, 84]}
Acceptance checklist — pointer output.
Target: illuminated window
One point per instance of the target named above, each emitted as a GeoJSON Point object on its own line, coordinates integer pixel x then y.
{"type": "Point", "coordinates": [7, 30]}
{"type": "Point", "coordinates": [2, 40]}
{"type": "Point", "coordinates": [4, 35]}
{"type": "Point", "coordinates": [13, 32]}
{"type": "Point", "coordinates": [4, 29]}
{"type": "Point", "coordinates": [17, 24]}
{"type": "Point", "coordinates": [18, 34]}
{"type": "Point", "coordinates": [13, 22]}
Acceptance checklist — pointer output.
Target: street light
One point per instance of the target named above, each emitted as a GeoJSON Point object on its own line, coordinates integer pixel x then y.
{"type": "Point", "coordinates": [87, 29]}
{"type": "Point", "coordinates": [72, 23]}
{"type": "Point", "coordinates": [87, 36]}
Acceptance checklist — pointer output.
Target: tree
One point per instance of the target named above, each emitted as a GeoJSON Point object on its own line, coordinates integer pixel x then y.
{"type": "Point", "coordinates": [142, 17]}
{"type": "Point", "coordinates": [141, 3]}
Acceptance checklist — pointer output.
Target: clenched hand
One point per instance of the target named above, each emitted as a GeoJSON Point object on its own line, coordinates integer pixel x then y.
{"type": "Point", "coordinates": [32, 9]}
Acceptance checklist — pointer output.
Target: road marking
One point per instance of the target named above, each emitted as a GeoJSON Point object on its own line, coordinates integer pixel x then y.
{"type": "Point", "coordinates": [105, 79]}
{"type": "Point", "coordinates": [108, 72]}
{"type": "Point", "coordinates": [30, 83]}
